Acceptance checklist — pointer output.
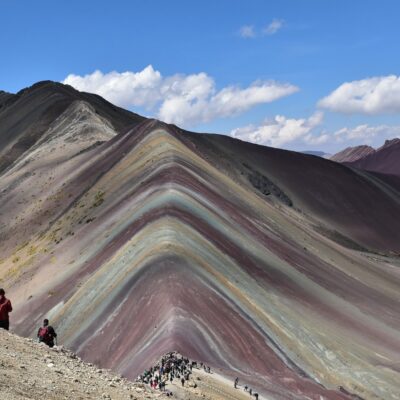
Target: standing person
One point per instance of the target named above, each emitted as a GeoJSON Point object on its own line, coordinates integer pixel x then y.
{"type": "Point", "coordinates": [5, 309]}
{"type": "Point", "coordinates": [183, 381]}
{"type": "Point", "coordinates": [47, 334]}
{"type": "Point", "coordinates": [236, 383]}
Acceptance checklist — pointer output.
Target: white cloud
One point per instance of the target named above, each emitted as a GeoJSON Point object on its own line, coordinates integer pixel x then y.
{"type": "Point", "coordinates": [368, 96]}
{"type": "Point", "coordinates": [126, 88]}
{"type": "Point", "coordinates": [273, 27]}
{"type": "Point", "coordinates": [364, 133]}
{"type": "Point", "coordinates": [316, 139]}
{"type": "Point", "coordinates": [181, 99]}
{"type": "Point", "coordinates": [281, 130]}
{"type": "Point", "coordinates": [247, 31]}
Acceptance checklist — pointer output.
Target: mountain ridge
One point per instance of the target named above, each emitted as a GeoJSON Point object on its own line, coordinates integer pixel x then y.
{"type": "Point", "coordinates": [38, 106]}
{"type": "Point", "coordinates": [350, 154]}
{"type": "Point", "coordinates": [5, 98]}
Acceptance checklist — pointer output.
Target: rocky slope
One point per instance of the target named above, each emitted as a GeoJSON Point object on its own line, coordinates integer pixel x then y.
{"type": "Point", "coordinates": [274, 266]}
{"type": "Point", "coordinates": [29, 370]}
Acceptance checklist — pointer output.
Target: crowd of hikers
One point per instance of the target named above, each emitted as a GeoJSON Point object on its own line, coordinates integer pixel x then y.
{"type": "Point", "coordinates": [172, 366]}
{"type": "Point", "coordinates": [46, 333]}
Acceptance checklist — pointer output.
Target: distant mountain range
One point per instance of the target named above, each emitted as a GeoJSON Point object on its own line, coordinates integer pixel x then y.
{"type": "Point", "coordinates": [385, 159]}
{"type": "Point", "coordinates": [317, 153]}
{"type": "Point", "coordinates": [137, 238]}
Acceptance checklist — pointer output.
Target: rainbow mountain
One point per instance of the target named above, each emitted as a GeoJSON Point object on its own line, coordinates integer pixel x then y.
{"type": "Point", "coordinates": [136, 238]}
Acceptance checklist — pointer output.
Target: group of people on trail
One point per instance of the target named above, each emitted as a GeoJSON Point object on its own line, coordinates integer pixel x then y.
{"type": "Point", "coordinates": [246, 388]}
{"type": "Point", "coordinates": [171, 366]}
{"type": "Point", "coordinates": [46, 333]}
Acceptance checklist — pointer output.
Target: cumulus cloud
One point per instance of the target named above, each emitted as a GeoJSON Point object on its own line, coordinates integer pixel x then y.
{"type": "Point", "coordinates": [183, 108]}
{"type": "Point", "coordinates": [125, 89]}
{"type": "Point", "coordinates": [281, 130]}
{"type": "Point", "coordinates": [376, 95]}
{"type": "Point", "coordinates": [181, 99]}
{"type": "Point", "coordinates": [247, 31]}
{"type": "Point", "coordinates": [364, 133]}
{"type": "Point", "coordinates": [273, 27]}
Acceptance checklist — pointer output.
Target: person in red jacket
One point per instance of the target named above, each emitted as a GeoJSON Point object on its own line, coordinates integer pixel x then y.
{"type": "Point", "coordinates": [5, 308]}
{"type": "Point", "coordinates": [47, 334]}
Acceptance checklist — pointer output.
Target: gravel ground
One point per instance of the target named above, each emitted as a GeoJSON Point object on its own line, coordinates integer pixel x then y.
{"type": "Point", "coordinates": [29, 370]}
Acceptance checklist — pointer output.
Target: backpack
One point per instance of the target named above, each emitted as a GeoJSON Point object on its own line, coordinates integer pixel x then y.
{"type": "Point", "coordinates": [44, 335]}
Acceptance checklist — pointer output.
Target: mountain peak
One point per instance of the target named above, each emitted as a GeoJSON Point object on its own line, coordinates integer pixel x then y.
{"type": "Point", "coordinates": [45, 85]}
{"type": "Point", "coordinates": [351, 154]}
{"type": "Point", "coordinates": [27, 115]}
{"type": "Point", "coordinates": [389, 143]}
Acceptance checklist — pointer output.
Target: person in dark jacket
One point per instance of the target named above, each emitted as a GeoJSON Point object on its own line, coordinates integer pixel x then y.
{"type": "Point", "coordinates": [47, 334]}
{"type": "Point", "coordinates": [5, 309]}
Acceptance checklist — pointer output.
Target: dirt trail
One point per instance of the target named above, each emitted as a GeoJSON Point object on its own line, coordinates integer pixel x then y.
{"type": "Point", "coordinates": [209, 386]}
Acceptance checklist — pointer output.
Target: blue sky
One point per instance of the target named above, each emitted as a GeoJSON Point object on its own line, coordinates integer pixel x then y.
{"type": "Point", "coordinates": [214, 64]}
